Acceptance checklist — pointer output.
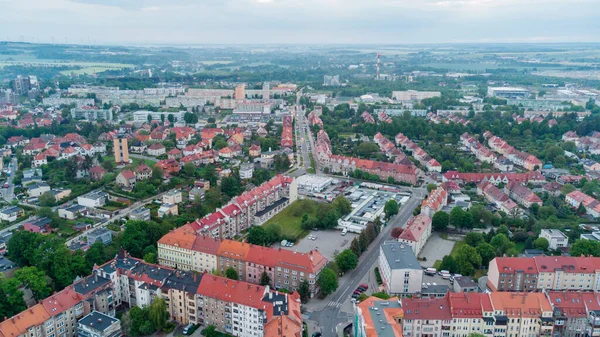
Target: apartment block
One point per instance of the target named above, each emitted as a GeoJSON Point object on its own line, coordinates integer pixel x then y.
{"type": "Point", "coordinates": [400, 270]}
{"type": "Point", "coordinates": [544, 273]}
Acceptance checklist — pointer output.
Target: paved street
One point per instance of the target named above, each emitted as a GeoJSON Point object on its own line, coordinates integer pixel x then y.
{"type": "Point", "coordinates": [329, 316]}
{"type": "Point", "coordinates": [9, 193]}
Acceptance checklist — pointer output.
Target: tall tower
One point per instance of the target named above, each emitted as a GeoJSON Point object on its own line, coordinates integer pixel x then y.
{"type": "Point", "coordinates": [121, 150]}
{"type": "Point", "coordinates": [240, 92]}
{"type": "Point", "coordinates": [266, 90]}
{"type": "Point", "coordinates": [378, 60]}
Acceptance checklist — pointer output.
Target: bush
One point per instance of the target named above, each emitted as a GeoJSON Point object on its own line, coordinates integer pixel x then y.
{"type": "Point", "coordinates": [378, 276]}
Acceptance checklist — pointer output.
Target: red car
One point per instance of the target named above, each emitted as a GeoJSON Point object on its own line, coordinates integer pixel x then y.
{"type": "Point", "coordinates": [364, 285]}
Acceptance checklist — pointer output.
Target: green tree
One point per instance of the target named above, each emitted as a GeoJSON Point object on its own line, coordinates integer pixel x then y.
{"type": "Point", "coordinates": [150, 258]}
{"type": "Point", "coordinates": [342, 204]}
{"type": "Point", "coordinates": [470, 255]}
{"type": "Point", "coordinates": [449, 264]}
{"type": "Point", "coordinates": [96, 254]}
{"type": "Point", "coordinates": [541, 244]}
{"type": "Point", "coordinates": [265, 279]}
{"type": "Point", "coordinates": [257, 235]}
{"type": "Point", "coordinates": [211, 331]}
{"type": "Point", "coordinates": [501, 244]}
{"type": "Point", "coordinates": [431, 187]}
{"type": "Point", "coordinates": [391, 208]}
{"type": "Point", "coordinates": [304, 291]}
{"type": "Point", "coordinates": [231, 273]}
{"type": "Point", "coordinates": [36, 280]}
{"type": "Point", "coordinates": [157, 173]}
{"type": "Point", "coordinates": [46, 199]}
{"type": "Point", "coordinates": [327, 281]}
{"type": "Point", "coordinates": [189, 169]}
{"type": "Point", "coordinates": [473, 239]}
{"type": "Point", "coordinates": [487, 253]}
{"type": "Point", "coordinates": [157, 313]}
{"type": "Point", "coordinates": [440, 221]}
{"type": "Point", "coordinates": [381, 295]}
{"type": "Point", "coordinates": [583, 247]}
{"type": "Point", "coordinates": [12, 298]}
{"type": "Point", "coordinates": [355, 246]}
{"type": "Point", "coordinates": [346, 260]}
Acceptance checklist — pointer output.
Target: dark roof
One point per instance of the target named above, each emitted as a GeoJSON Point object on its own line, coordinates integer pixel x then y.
{"type": "Point", "coordinates": [279, 301]}
{"type": "Point", "coordinates": [399, 255]}
{"type": "Point", "coordinates": [271, 207]}
{"type": "Point", "coordinates": [183, 281]}
{"type": "Point", "coordinates": [90, 284]}
{"type": "Point", "coordinates": [98, 321]}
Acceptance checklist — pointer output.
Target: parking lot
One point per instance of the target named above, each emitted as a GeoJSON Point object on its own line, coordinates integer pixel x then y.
{"type": "Point", "coordinates": [435, 249]}
{"type": "Point", "coordinates": [328, 242]}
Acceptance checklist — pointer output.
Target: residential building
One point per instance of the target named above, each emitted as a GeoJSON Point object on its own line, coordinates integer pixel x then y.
{"type": "Point", "coordinates": [142, 116]}
{"type": "Point", "coordinates": [141, 213]}
{"type": "Point", "coordinates": [185, 249]}
{"type": "Point", "coordinates": [96, 173]}
{"type": "Point", "coordinates": [11, 213]}
{"type": "Point", "coordinates": [465, 284]}
{"type": "Point", "coordinates": [416, 232]}
{"type": "Point", "coordinates": [400, 270]}
{"type": "Point", "coordinates": [37, 189]}
{"type": "Point", "coordinates": [427, 317]}
{"type": "Point", "coordinates": [121, 150]}
{"type": "Point", "coordinates": [91, 113]}
{"type": "Point", "coordinates": [71, 212]}
{"type": "Point", "coordinates": [97, 324]}
{"type": "Point", "coordinates": [436, 200]}
{"type": "Point", "coordinates": [522, 194]}
{"type": "Point", "coordinates": [240, 92]}
{"type": "Point", "coordinates": [591, 205]}
{"type": "Point", "coordinates": [544, 273]}
{"type": "Point", "coordinates": [374, 317]}
{"type": "Point", "coordinates": [143, 172]}
{"type": "Point", "coordinates": [172, 197]}
{"type": "Point", "coordinates": [535, 177]}
{"type": "Point", "coordinates": [555, 237]}
{"type": "Point", "coordinates": [126, 178]}
{"type": "Point", "coordinates": [246, 170]}
{"type": "Point", "coordinates": [39, 225]}
{"type": "Point", "coordinates": [156, 149]}
{"type": "Point", "coordinates": [167, 209]}
{"type": "Point", "coordinates": [93, 199]}
{"type": "Point", "coordinates": [413, 95]}
{"type": "Point", "coordinates": [499, 198]}
{"type": "Point", "coordinates": [100, 234]}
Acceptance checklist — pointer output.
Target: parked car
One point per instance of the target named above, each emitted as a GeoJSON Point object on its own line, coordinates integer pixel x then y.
{"type": "Point", "coordinates": [364, 285]}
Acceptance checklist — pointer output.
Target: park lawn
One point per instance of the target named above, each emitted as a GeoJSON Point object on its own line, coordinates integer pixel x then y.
{"type": "Point", "coordinates": [290, 219]}
{"type": "Point", "coordinates": [457, 245]}
{"type": "Point", "coordinates": [66, 227]}
{"type": "Point", "coordinates": [437, 264]}
{"type": "Point", "coordinates": [520, 246]}
{"type": "Point", "coordinates": [135, 162]}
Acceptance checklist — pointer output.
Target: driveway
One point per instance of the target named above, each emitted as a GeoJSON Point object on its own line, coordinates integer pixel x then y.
{"type": "Point", "coordinates": [435, 249]}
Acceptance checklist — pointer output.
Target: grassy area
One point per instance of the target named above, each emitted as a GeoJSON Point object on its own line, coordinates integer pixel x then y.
{"type": "Point", "coordinates": [290, 219]}
{"type": "Point", "coordinates": [437, 264]}
{"type": "Point", "coordinates": [457, 245]}
{"type": "Point", "coordinates": [520, 246]}
{"type": "Point", "coordinates": [135, 162]}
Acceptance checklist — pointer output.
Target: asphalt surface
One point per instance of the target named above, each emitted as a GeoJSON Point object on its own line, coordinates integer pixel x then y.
{"type": "Point", "coordinates": [329, 317]}
{"type": "Point", "coordinates": [9, 193]}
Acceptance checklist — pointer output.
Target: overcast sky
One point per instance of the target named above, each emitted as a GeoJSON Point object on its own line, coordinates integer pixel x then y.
{"type": "Point", "coordinates": [299, 21]}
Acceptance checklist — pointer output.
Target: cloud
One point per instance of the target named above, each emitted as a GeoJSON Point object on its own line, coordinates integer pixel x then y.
{"type": "Point", "coordinates": [302, 21]}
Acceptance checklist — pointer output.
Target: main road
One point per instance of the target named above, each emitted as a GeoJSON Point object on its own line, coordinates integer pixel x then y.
{"type": "Point", "coordinates": [328, 317]}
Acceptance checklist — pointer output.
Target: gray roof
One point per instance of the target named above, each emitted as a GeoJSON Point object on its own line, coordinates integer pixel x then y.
{"type": "Point", "coordinates": [98, 321]}
{"type": "Point", "coordinates": [435, 289]}
{"type": "Point", "coordinates": [465, 282]}
{"type": "Point", "coordinates": [36, 185]}
{"type": "Point", "coordinates": [6, 264]}
{"type": "Point", "coordinates": [399, 255]}
{"type": "Point", "coordinates": [380, 323]}
{"type": "Point", "coordinates": [10, 209]}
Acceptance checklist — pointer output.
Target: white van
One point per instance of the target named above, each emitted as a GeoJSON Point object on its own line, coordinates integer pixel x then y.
{"type": "Point", "coordinates": [344, 231]}
{"type": "Point", "coordinates": [430, 271]}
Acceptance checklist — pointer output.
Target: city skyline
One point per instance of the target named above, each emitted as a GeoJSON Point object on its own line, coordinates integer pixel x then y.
{"type": "Point", "coordinates": [187, 22]}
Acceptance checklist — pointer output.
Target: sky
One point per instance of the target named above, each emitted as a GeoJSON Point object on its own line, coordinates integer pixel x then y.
{"type": "Point", "coordinates": [299, 21]}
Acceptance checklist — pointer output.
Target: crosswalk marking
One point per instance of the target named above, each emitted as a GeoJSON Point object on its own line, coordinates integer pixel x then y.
{"type": "Point", "coordinates": [334, 304]}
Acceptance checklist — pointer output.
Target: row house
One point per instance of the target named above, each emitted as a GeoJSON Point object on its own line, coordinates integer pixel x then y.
{"type": "Point", "coordinates": [523, 159]}
{"type": "Point", "coordinates": [367, 117]}
{"type": "Point", "coordinates": [494, 195]}
{"type": "Point", "coordinates": [544, 273]}
{"type": "Point", "coordinates": [431, 164]}
{"type": "Point", "coordinates": [314, 119]}
{"type": "Point", "coordinates": [522, 194]}
{"type": "Point", "coordinates": [235, 307]}
{"type": "Point", "coordinates": [383, 117]}
{"type": "Point", "coordinates": [458, 315]}
{"type": "Point", "coordinates": [185, 249]}
{"type": "Point", "coordinates": [575, 313]}
{"type": "Point", "coordinates": [591, 205]}
{"type": "Point", "coordinates": [435, 201]}
{"type": "Point", "coordinates": [347, 165]}
{"type": "Point", "coordinates": [462, 178]}
{"type": "Point", "coordinates": [287, 133]}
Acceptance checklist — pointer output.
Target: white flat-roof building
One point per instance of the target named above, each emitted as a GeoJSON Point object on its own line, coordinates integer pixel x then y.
{"type": "Point", "coordinates": [508, 92]}
{"type": "Point", "coordinates": [141, 116]}
{"type": "Point", "coordinates": [313, 183]}
{"type": "Point", "coordinates": [556, 238]}
{"type": "Point", "coordinates": [400, 270]}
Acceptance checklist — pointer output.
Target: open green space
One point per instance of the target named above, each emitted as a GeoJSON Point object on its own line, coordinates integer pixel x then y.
{"type": "Point", "coordinates": [290, 219]}
{"type": "Point", "coordinates": [135, 162]}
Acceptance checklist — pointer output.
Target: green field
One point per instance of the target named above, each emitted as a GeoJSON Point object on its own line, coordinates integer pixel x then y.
{"type": "Point", "coordinates": [135, 162]}
{"type": "Point", "coordinates": [290, 219]}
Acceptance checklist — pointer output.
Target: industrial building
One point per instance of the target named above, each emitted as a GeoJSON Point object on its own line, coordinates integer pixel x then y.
{"type": "Point", "coordinates": [367, 205]}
